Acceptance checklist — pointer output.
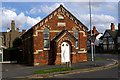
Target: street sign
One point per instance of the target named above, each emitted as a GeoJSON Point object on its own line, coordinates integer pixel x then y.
{"type": "Point", "coordinates": [92, 43]}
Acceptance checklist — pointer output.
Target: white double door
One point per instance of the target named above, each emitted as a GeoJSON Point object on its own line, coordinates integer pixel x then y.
{"type": "Point", "coordinates": [65, 52]}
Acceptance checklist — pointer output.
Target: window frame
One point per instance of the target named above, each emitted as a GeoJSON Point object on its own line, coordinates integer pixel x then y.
{"type": "Point", "coordinates": [46, 37]}
{"type": "Point", "coordinates": [76, 33]}
{"type": "Point", "coordinates": [105, 45]}
{"type": "Point", "coordinates": [105, 40]}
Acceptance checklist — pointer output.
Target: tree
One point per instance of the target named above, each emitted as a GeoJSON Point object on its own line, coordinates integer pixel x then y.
{"type": "Point", "coordinates": [17, 42]}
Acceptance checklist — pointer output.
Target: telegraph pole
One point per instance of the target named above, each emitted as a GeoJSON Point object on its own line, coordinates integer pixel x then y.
{"type": "Point", "coordinates": [91, 30]}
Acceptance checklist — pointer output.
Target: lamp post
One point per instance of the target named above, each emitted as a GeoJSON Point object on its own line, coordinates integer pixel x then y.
{"type": "Point", "coordinates": [91, 31]}
{"type": "Point", "coordinates": [94, 51]}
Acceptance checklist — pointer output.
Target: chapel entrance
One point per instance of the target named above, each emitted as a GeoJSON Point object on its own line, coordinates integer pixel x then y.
{"type": "Point", "coordinates": [65, 52]}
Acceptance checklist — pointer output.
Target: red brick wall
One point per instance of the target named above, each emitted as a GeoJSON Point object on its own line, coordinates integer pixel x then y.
{"type": "Point", "coordinates": [38, 41]}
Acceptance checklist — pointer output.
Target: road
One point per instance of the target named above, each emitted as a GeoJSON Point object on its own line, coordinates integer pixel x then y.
{"type": "Point", "coordinates": [109, 73]}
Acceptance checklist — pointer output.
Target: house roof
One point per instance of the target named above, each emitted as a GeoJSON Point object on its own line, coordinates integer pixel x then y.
{"type": "Point", "coordinates": [112, 33]}
{"type": "Point", "coordinates": [96, 32]}
{"type": "Point", "coordinates": [118, 33]}
{"type": "Point", "coordinates": [101, 37]}
{"type": "Point", "coordinates": [62, 33]}
{"type": "Point", "coordinates": [43, 20]}
{"type": "Point", "coordinates": [2, 33]}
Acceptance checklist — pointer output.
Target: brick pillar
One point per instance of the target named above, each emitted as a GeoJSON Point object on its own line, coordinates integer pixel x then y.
{"type": "Point", "coordinates": [94, 29]}
{"type": "Point", "coordinates": [17, 29]}
{"type": "Point", "coordinates": [112, 26]}
{"type": "Point", "coordinates": [23, 31]}
{"type": "Point", "coordinates": [13, 25]}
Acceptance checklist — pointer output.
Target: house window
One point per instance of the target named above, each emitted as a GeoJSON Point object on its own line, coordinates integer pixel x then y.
{"type": "Point", "coordinates": [111, 47]}
{"type": "Point", "coordinates": [46, 38]}
{"type": "Point", "coordinates": [101, 41]}
{"type": "Point", "coordinates": [104, 40]}
{"type": "Point", "coordinates": [75, 32]}
{"type": "Point", "coordinates": [118, 39]}
{"type": "Point", "coordinates": [77, 45]}
{"type": "Point", "coordinates": [110, 40]}
{"type": "Point", "coordinates": [105, 47]}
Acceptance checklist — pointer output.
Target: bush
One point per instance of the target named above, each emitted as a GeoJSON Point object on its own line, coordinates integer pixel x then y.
{"type": "Point", "coordinates": [17, 42]}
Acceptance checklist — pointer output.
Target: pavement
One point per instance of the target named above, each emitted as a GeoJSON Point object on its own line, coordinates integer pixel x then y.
{"type": "Point", "coordinates": [23, 71]}
{"type": "Point", "coordinates": [82, 67]}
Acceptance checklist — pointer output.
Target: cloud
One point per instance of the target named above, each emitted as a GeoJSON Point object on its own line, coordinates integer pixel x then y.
{"type": "Point", "coordinates": [20, 19]}
{"type": "Point", "coordinates": [110, 8]}
{"type": "Point", "coordinates": [102, 21]}
{"type": "Point", "coordinates": [44, 9]}
{"type": "Point", "coordinates": [95, 6]}
{"type": "Point", "coordinates": [48, 9]}
{"type": "Point", "coordinates": [13, 9]}
{"type": "Point", "coordinates": [31, 21]}
{"type": "Point", "coordinates": [100, 18]}
{"type": "Point", "coordinates": [33, 11]}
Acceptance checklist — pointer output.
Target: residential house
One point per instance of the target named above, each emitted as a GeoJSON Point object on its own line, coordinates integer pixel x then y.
{"type": "Point", "coordinates": [110, 39]}
{"type": "Point", "coordinates": [9, 36]}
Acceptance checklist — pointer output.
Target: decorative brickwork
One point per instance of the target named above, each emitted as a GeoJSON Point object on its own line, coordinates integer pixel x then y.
{"type": "Point", "coordinates": [57, 35]}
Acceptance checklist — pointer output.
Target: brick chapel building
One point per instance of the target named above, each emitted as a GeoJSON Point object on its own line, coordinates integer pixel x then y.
{"type": "Point", "coordinates": [60, 37]}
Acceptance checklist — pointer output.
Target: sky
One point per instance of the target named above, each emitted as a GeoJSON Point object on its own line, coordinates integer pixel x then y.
{"type": "Point", "coordinates": [27, 14]}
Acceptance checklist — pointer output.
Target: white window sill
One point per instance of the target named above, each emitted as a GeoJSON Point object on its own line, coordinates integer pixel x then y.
{"type": "Point", "coordinates": [46, 49]}
{"type": "Point", "coordinates": [82, 51]}
{"type": "Point", "coordinates": [77, 48]}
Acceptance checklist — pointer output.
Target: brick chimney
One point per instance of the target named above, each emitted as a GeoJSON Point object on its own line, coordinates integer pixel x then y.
{"type": "Point", "coordinates": [112, 26]}
{"type": "Point", "coordinates": [13, 25]}
{"type": "Point", "coordinates": [8, 29]}
{"type": "Point", "coordinates": [23, 31]}
{"type": "Point", "coordinates": [94, 29]}
{"type": "Point", "coordinates": [118, 26]}
{"type": "Point", "coordinates": [17, 29]}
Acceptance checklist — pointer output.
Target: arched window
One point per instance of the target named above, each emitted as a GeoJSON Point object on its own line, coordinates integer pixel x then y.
{"type": "Point", "coordinates": [75, 33]}
{"type": "Point", "coordinates": [46, 38]}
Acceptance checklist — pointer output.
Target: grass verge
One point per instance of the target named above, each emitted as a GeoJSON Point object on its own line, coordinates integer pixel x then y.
{"type": "Point", "coordinates": [98, 58]}
{"type": "Point", "coordinates": [53, 70]}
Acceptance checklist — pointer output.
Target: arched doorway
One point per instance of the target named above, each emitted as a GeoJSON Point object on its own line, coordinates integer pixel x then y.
{"type": "Point", "coordinates": [65, 52]}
